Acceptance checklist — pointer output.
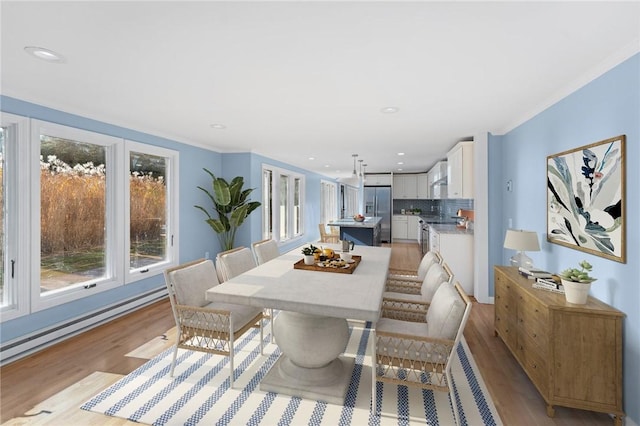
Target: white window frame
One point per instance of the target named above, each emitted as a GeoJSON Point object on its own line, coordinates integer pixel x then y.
{"type": "Point", "coordinates": [277, 172]}
{"type": "Point", "coordinates": [171, 178]}
{"type": "Point", "coordinates": [113, 221]}
{"type": "Point", "coordinates": [16, 249]}
{"type": "Point", "coordinates": [328, 201]}
{"type": "Point", "coordinates": [351, 200]}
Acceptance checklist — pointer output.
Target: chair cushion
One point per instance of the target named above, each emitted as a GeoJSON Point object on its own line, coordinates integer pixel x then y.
{"type": "Point", "coordinates": [266, 251]}
{"type": "Point", "coordinates": [403, 296]}
{"type": "Point", "coordinates": [435, 276]}
{"type": "Point", "coordinates": [236, 262]}
{"type": "Point", "coordinates": [427, 261]}
{"type": "Point", "coordinates": [445, 313]}
{"type": "Point", "coordinates": [192, 282]}
{"type": "Point", "coordinates": [240, 314]}
{"type": "Point", "coordinates": [390, 325]}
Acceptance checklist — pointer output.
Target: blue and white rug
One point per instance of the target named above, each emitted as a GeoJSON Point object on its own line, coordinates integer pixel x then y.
{"type": "Point", "coordinates": [199, 392]}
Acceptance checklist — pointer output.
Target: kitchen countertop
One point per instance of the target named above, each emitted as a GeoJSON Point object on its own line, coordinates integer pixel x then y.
{"type": "Point", "coordinates": [450, 229]}
{"type": "Point", "coordinates": [437, 219]}
{"type": "Point", "coordinates": [369, 222]}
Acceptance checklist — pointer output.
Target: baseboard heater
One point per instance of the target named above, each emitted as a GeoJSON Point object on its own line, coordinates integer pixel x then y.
{"type": "Point", "coordinates": [36, 341]}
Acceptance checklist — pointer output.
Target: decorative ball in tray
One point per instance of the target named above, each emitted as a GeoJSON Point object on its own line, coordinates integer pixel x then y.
{"type": "Point", "coordinates": [358, 218]}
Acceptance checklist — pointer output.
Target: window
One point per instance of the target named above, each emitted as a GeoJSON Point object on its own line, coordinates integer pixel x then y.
{"type": "Point", "coordinates": [283, 189]}
{"type": "Point", "coordinates": [328, 199]}
{"type": "Point", "coordinates": [351, 201]}
{"type": "Point", "coordinates": [75, 188]}
{"type": "Point", "coordinates": [102, 212]}
{"type": "Point", "coordinates": [14, 142]}
{"type": "Point", "coordinates": [267, 204]}
{"type": "Point", "coordinates": [150, 202]}
{"type": "Point", "coordinates": [284, 208]}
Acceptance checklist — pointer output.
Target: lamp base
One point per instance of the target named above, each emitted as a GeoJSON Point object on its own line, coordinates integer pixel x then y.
{"type": "Point", "coordinates": [521, 259]}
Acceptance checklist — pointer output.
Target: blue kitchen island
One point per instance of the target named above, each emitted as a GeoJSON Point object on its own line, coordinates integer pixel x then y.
{"type": "Point", "coordinates": [365, 233]}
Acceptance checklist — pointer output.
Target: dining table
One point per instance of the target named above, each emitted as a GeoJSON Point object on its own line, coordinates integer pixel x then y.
{"type": "Point", "coordinates": [311, 327]}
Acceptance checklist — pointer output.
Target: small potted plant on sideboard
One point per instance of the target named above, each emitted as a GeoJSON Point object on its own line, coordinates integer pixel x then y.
{"type": "Point", "coordinates": [577, 283]}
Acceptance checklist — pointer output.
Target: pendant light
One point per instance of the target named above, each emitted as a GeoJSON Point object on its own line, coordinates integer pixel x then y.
{"type": "Point", "coordinates": [354, 174]}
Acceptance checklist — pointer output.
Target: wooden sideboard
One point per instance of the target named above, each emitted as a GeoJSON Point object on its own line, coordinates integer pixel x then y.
{"type": "Point", "coordinates": [571, 353]}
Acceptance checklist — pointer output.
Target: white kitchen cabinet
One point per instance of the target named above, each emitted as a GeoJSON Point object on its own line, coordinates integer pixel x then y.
{"type": "Point", "coordinates": [405, 186]}
{"type": "Point", "coordinates": [423, 186]}
{"type": "Point", "coordinates": [412, 227]}
{"type": "Point", "coordinates": [378, 179]}
{"type": "Point", "coordinates": [456, 249]}
{"type": "Point", "coordinates": [438, 180]}
{"type": "Point", "coordinates": [439, 171]}
{"type": "Point", "coordinates": [399, 227]}
{"type": "Point", "coordinates": [460, 171]}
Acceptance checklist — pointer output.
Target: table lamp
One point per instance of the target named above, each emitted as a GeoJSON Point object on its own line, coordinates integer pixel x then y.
{"type": "Point", "coordinates": [517, 239]}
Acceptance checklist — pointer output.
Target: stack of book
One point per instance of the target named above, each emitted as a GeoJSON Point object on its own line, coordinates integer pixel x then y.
{"type": "Point", "coordinates": [548, 284]}
{"type": "Point", "coordinates": [542, 280]}
{"type": "Point", "coordinates": [532, 274]}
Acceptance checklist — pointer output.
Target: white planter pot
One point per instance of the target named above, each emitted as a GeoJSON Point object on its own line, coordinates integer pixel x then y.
{"type": "Point", "coordinates": [576, 293]}
{"type": "Point", "coordinates": [309, 259]}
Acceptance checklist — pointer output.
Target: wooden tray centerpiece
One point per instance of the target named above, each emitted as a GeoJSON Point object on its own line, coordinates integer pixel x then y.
{"type": "Point", "coordinates": [329, 265]}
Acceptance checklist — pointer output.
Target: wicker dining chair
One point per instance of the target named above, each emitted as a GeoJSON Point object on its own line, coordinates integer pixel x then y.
{"type": "Point", "coordinates": [418, 349]}
{"type": "Point", "coordinates": [205, 326]}
{"type": "Point", "coordinates": [427, 260]}
{"type": "Point", "coordinates": [327, 237]}
{"type": "Point", "coordinates": [265, 250]}
{"type": "Point", "coordinates": [234, 262]}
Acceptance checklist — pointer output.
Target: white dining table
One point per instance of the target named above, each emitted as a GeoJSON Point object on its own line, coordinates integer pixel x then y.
{"type": "Point", "coordinates": [311, 328]}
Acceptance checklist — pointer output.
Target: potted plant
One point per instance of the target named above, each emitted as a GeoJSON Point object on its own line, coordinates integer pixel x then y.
{"type": "Point", "coordinates": [309, 254]}
{"type": "Point", "coordinates": [577, 283]}
{"type": "Point", "coordinates": [231, 204]}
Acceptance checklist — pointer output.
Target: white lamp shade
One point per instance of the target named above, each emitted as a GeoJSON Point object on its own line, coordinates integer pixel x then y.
{"type": "Point", "coordinates": [517, 239]}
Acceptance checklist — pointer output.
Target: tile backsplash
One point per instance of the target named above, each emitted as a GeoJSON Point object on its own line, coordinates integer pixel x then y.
{"type": "Point", "coordinates": [444, 208]}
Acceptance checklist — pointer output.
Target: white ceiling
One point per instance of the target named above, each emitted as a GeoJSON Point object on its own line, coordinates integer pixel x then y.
{"type": "Point", "coordinates": [293, 80]}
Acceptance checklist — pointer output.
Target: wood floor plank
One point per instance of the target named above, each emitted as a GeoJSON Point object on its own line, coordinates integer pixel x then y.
{"type": "Point", "coordinates": [72, 370]}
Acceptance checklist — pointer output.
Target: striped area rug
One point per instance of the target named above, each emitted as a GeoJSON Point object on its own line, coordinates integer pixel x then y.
{"type": "Point", "coordinates": [199, 392]}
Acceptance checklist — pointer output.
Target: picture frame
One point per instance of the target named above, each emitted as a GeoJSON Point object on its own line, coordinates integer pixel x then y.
{"type": "Point", "coordinates": [586, 199]}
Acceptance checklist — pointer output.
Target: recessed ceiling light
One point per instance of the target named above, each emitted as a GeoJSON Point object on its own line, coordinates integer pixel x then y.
{"type": "Point", "coordinates": [327, 165]}
{"type": "Point", "coordinates": [312, 158]}
{"type": "Point", "coordinates": [45, 54]}
{"type": "Point", "coordinates": [399, 170]}
{"type": "Point", "coordinates": [401, 153]}
{"type": "Point", "coordinates": [218, 126]}
{"type": "Point", "coordinates": [389, 110]}
{"type": "Point", "coordinates": [400, 162]}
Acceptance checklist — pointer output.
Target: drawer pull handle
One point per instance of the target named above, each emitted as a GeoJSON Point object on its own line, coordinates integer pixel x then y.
{"type": "Point", "coordinates": [535, 335]}
{"type": "Point", "coordinates": [535, 366]}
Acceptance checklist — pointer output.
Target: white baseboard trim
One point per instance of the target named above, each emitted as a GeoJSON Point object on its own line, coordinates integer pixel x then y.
{"type": "Point", "coordinates": [38, 340]}
{"type": "Point", "coordinates": [628, 421]}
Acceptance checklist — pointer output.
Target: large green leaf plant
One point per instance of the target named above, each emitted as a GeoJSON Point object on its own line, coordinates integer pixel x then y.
{"type": "Point", "coordinates": [231, 205]}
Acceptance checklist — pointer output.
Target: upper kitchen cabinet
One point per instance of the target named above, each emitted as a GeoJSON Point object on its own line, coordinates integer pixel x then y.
{"type": "Point", "coordinates": [405, 187]}
{"type": "Point", "coordinates": [424, 187]}
{"type": "Point", "coordinates": [460, 171]}
{"type": "Point", "coordinates": [378, 180]}
{"type": "Point", "coordinates": [438, 180]}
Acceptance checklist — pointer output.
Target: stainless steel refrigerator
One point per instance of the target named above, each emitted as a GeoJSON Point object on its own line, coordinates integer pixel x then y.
{"type": "Point", "coordinates": [377, 202]}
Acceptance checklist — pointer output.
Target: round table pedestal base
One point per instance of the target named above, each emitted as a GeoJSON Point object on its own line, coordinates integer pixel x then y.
{"type": "Point", "coordinates": [310, 365]}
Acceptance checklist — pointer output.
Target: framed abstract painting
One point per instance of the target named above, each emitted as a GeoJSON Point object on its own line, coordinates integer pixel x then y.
{"type": "Point", "coordinates": [586, 199]}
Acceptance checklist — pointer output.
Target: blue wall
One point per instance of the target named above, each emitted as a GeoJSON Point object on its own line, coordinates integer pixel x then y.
{"type": "Point", "coordinates": [196, 237]}
{"type": "Point", "coordinates": [608, 106]}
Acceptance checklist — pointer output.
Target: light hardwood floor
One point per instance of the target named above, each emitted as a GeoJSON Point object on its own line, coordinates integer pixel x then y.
{"type": "Point", "coordinates": [60, 378]}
